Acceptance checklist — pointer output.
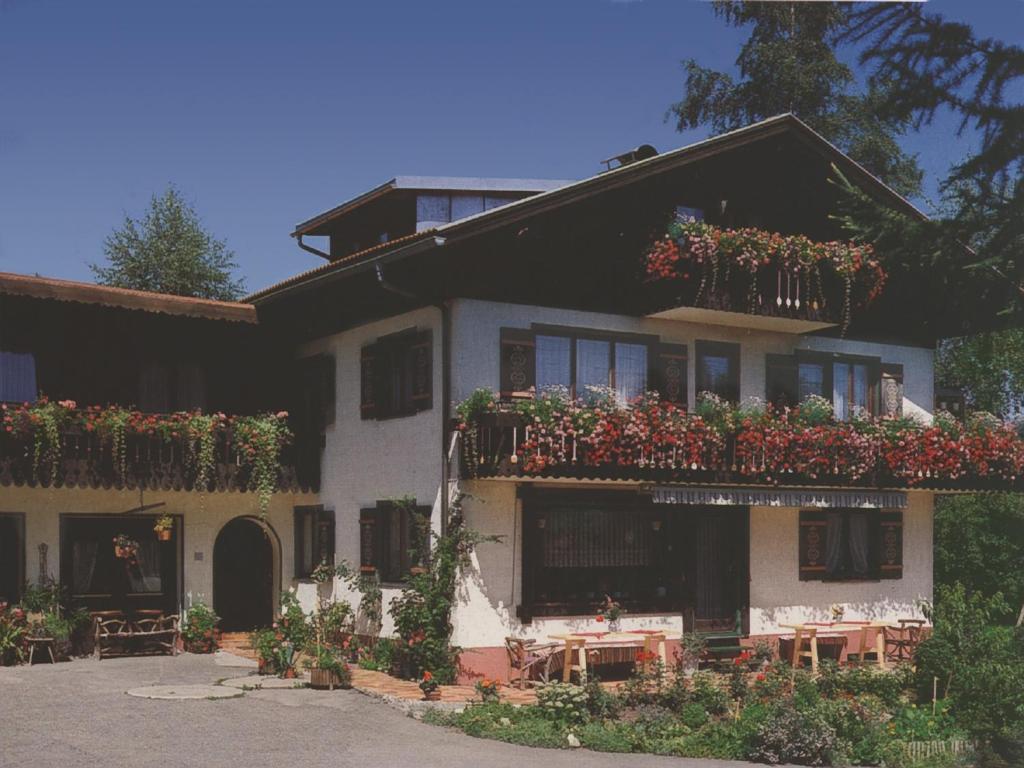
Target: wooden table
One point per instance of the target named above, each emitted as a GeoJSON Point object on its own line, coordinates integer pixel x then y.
{"type": "Point", "coordinates": [809, 631]}
{"type": "Point", "coordinates": [651, 641]}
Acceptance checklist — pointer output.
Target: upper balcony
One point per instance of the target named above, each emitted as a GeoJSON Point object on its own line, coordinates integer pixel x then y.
{"type": "Point", "coordinates": [56, 444]}
{"type": "Point", "coordinates": [719, 444]}
{"type": "Point", "coordinates": [752, 278]}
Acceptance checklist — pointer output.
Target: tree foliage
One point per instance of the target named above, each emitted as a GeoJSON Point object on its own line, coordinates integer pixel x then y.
{"type": "Point", "coordinates": [922, 64]}
{"type": "Point", "coordinates": [789, 64]}
{"type": "Point", "coordinates": [989, 367]}
{"type": "Point", "coordinates": [169, 251]}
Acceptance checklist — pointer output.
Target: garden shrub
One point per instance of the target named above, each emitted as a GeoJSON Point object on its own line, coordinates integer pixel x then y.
{"type": "Point", "coordinates": [503, 722]}
{"type": "Point", "coordinates": [652, 725]}
{"type": "Point", "coordinates": [563, 703]}
{"type": "Point", "coordinates": [605, 736]}
{"type": "Point", "coordinates": [198, 631]}
{"type": "Point", "coordinates": [693, 715]}
{"type": "Point", "coordinates": [792, 735]}
{"type": "Point", "coordinates": [704, 690]}
{"type": "Point", "coordinates": [601, 703]}
{"type": "Point", "coordinates": [889, 686]}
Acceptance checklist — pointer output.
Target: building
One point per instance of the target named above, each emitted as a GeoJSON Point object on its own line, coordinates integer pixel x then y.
{"type": "Point", "coordinates": [433, 289]}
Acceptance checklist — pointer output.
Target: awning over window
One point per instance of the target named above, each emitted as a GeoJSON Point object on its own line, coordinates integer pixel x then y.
{"type": "Point", "coordinates": [770, 497]}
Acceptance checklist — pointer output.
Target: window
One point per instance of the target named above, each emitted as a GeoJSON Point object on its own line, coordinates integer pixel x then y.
{"type": "Point", "coordinates": [718, 369]}
{"type": "Point", "coordinates": [166, 387]}
{"type": "Point", "coordinates": [851, 544]}
{"type": "Point", "coordinates": [539, 358]}
{"type": "Point", "coordinates": [851, 383]}
{"type": "Point", "coordinates": [17, 377]}
{"type": "Point", "coordinates": [314, 539]}
{"type": "Point", "coordinates": [581, 362]}
{"type": "Point", "coordinates": [396, 377]}
{"type": "Point", "coordinates": [394, 539]}
{"type": "Point", "coordinates": [313, 405]}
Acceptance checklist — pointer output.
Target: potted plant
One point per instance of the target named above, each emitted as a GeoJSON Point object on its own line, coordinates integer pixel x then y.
{"type": "Point", "coordinates": [126, 548]}
{"type": "Point", "coordinates": [164, 527]}
{"type": "Point", "coordinates": [692, 646]}
{"type": "Point", "coordinates": [429, 686]}
{"type": "Point", "coordinates": [263, 641]}
{"type": "Point", "coordinates": [200, 631]}
{"type": "Point", "coordinates": [611, 612]}
{"type": "Point", "coordinates": [488, 690]}
{"type": "Point", "coordinates": [327, 671]}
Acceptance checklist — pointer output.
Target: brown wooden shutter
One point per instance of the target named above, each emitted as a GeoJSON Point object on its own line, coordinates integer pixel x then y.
{"type": "Point", "coordinates": [368, 538]}
{"type": "Point", "coordinates": [668, 372]}
{"type": "Point", "coordinates": [890, 544]}
{"type": "Point", "coordinates": [369, 362]}
{"type": "Point", "coordinates": [891, 390]}
{"type": "Point", "coordinates": [812, 545]}
{"type": "Point", "coordinates": [518, 363]}
{"type": "Point", "coordinates": [325, 536]}
{"type": "Point", "coordinates": [421, 353]}
{"type": "Point", "coordinates": [780, 378]}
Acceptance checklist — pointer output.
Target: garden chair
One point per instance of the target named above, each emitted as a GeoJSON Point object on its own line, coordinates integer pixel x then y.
{"type": "Point", "coordinates": [525, 656]}
{"type": "Point", "coordinates": [901, 641]}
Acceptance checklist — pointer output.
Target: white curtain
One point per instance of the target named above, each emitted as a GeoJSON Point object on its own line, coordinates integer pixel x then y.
{"type": "Point", "coordinates": [715, 374]}
{"type": "Point", "coordinates": [834, 544]}
{"type": "Point", "coordinates": [810, 380]}
{"type": "Point", "coordinates": [840, 390]}
{"type": "Point", "coordinates": [592, 364]}
{"type": "Point", "coordinates": [83, 565]}
{"type": "Point", "coordinates": [553, 362]}
{"type": "Point", "coordinates": [630, 371]}
{"type": "Point", "coordinates": [859, 543]}
{"type": "Point", "coordinates": [17, 377]}
{"type": "Point", "coordinates": [860, 388]}
{"type": "Point", "coordinates": [145, 577]}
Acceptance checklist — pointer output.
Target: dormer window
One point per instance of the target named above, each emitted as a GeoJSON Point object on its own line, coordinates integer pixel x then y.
{"type": "Point", "coordinates": [17, 377]}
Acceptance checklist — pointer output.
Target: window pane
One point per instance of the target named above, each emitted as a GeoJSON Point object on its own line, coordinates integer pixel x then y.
{"type": "Point", "coordinates": [841, 390]}
{"type": "Point", "coordinates": [553, 362]}
{"type": "Point", "coordinates": [307, 543]}
{"type": "Point", "coordinates": [144, 573]}
{"type": "Point", "coordinates": [859, 387]}
{"type": "Point", "coordinates": [466, 205]}
{"type": "Point", "coordinates": [630, 370]}
{"type": "Point", "coordinates": [17, 377]}
{"type": "Point", "coordinates": [811, 380]}
{"type": "Point", "coordinates": [592, 367]}
{"type": "Point", "coordinates": [715, 374]}
{"type": "Point", "coordinates": [432, 211]}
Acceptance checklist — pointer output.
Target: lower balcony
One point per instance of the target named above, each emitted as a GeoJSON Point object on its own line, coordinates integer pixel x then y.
{"type": "Point", "coordinates": [657, 442]}
{"type": "Point", "coordinates": [52, 444]}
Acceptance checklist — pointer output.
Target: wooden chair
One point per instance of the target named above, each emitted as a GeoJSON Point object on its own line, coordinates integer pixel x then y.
{"type": "Point", "coordinates": [115, 630]}
{"type": "Point", "coordinates": [901, 641]}
{"type": "Point", "coordinates": [524, 656]}
{"type": "Point", "coordinates": [159, 629]}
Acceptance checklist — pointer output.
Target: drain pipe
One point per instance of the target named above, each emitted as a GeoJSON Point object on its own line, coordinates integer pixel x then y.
{"type": "Point", "coordinates": [446, 332]}
{"type": "Point", "coordinates": [311, 249]}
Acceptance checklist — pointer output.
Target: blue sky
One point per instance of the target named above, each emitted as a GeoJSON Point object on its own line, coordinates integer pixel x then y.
{"type": "Point", "coordinates": [265, 113]}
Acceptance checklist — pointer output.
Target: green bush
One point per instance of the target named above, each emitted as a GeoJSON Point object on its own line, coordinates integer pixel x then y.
{"type": "Point", "coordinates": [704, 690]}
{"type": "Point", "coordinates": [605, 737]}
{"type": "Point", "coordinates": [889, 686]}
{"type": "Point", "coordinates": [693, 715]}
{"type": "Point", "coordinates": [563, 703]}
{"type": "Point", "coordinates": [503, 722]}
{"type": "Point", "coordinates": [792, 735]}
{"type": "Point", "coordinates": [197, 633]}
{"type": "Point", "coordinates": [601, 703]}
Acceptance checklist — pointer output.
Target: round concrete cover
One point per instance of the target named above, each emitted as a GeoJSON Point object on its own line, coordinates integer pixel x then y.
{"type": "Point", "coordinates": [183, 692]}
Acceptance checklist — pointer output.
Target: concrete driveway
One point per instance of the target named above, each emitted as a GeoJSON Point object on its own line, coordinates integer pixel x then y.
{"type": "Point", "coordinates": [77, 714]}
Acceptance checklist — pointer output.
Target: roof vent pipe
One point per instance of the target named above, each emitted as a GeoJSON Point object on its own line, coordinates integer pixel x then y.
{"type": "Point", "coordinates": [643, 152]}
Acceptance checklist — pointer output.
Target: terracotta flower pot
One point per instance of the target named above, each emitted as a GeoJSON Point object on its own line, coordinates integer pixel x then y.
{"type": "Point", "coordinates": [164, 534]}
{"type": "Point", "coordinates": [432, 695]}
{"type": "Point", "coordinates": [289, 674]}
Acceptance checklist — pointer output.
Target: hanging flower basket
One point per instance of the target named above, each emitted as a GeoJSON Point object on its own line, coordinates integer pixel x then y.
{"type": "Point", "coordinates": [164, 527]}
{"type": "Point", "coordinates": [126, 548]}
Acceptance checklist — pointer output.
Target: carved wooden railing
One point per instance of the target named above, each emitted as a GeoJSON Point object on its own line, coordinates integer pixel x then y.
{"type": "Point", "coordinates": [498, 445]}
{"type": "Point", "coordinates": [150, 462]}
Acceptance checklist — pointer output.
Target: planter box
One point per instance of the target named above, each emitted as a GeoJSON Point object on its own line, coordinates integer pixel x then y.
{"type": "Point", "coordinates": [326, 680]}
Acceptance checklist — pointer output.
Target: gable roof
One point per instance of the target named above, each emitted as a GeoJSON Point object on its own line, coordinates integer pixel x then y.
{"type": "Point", "coordinates": [37, 287]}
{"type": "Point", "coordinates": [602, 182]}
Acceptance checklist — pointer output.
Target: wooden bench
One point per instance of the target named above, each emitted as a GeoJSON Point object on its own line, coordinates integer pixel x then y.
{"type": "Point", "coordinates": [113, 631]}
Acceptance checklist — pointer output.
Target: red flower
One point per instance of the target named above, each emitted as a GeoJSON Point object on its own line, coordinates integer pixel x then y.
{"type": "Point", "coordinates": [599, 617]}
{"type": "Point", "coordinates": [427, 677]}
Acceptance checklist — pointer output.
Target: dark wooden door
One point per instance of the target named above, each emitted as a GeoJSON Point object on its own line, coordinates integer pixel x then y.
{"type": "Point", "coordinates": [243, 576]}
{"type": "Point", "coordinates": [12, 558]}
{"type": "Point", "coordinates": [718, 568]}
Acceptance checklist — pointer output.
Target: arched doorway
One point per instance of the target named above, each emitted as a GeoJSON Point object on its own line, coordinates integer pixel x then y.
{"type": "Point", "coordinates": [243, 575]}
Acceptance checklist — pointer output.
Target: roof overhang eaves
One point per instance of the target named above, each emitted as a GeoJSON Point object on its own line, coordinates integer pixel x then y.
{"type": "Point", "coordinates": [307, 227]}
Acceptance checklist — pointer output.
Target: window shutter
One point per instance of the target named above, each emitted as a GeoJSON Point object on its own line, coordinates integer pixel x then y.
{"type": "Point", "coordinates": [781, 387]}
{"type": "Point", "coordinates": [518, 363]}
{"type": "Point", "coordinates": [890, 545]}
{"type": "Point", "coordinates": [325, 536]}
{"type": "Point", "coordinates": [812, 545]}
{"type": "Point", "coordinates": [668, 372]}
{"type": "Point", "coordinates": [421, 353]}
{"type": "Point", "coordinates": [892, 389]}
{"type": "Point", "coordinates": [368, 538]}
{"type": "Point", "coordinates": [369, 360]}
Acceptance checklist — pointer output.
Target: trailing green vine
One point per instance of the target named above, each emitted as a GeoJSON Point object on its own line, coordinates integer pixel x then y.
{"type": "Point", "coordinates": [44, 420]}
{"type": "Point", "coordinates": [200, 446]}
{"type": "Point", "coordinates": [259, 440]}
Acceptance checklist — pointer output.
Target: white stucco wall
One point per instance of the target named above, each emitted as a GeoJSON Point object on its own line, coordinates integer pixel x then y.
{"type": "Point", "coordinates": [203, 517]}
{"type": "Point", "coordinates": [476, 330]}
{"type": "Point", "coordinates": [486, 612]}
{"type": "Point", "coordinates": [366, 460]}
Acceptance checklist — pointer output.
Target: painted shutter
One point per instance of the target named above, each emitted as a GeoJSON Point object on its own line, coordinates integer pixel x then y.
{"type": "Point", "coordinates": [890, 544]}
{"type": "Point", "coordinates": [780, 377]}
{"type": "Point", "coordinates": [421, 354]}
{"type": "Point", "coordinates": [368, 540]}
{"type": "Point", "coordinates": [325, 536]}
{"type": "Point", "coordinates": [369, 362]}
{"type": "Point", "coordinates": [518, 363]}
{"type": "Point", "coordinates": [668, 372]}
{"type": "Point", "coordinates": [812, 545]}
{"type": "Point", "coordinates": [892, 390]}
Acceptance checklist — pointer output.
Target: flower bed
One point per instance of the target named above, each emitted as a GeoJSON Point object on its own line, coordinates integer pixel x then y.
{"type": "Point", "coordinates": [751, 270]}
{"type": "Point", "coordinates": [651, 438]}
